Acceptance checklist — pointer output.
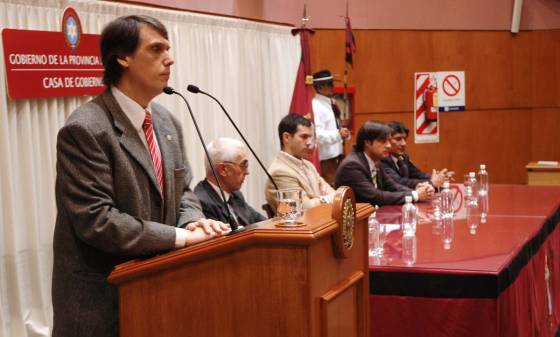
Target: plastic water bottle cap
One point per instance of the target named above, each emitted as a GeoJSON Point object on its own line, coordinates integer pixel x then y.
{"type": "Point", "coordinates": [482, 167]}
{"type": "Point", "coordinates": [472, 231]}
{"type": "Point", "coordinates": [408, 199]}
{"type": "Point", "coordinates": [472, 174]}
{"type": "Point", "coordinates": [447, 245]}
{"type": "Point", "coordinates": [446, 184]}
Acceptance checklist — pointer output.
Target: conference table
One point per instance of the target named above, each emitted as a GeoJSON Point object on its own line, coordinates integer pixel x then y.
{"type": "Point", "coordinates": [498, 278]}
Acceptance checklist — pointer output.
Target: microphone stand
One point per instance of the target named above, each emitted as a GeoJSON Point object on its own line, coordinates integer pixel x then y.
{"type": "Point", "coordinates": [232, 222]}
{"type": "Point", "coordinates": [195, 90]}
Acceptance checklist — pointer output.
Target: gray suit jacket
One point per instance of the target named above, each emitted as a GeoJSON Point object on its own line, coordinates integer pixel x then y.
{"type": "Point", "coordinates": [110, 209]}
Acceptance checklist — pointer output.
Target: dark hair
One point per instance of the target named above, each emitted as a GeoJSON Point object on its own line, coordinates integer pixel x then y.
{"type": "Point", "coordinates": [119, 39]}
{"type": "Point", "coordinates": [398, 127]}
{"type": "Point", "coordinates": [371, 130]}
{"type": "Point", "coordinates": [290, 124]}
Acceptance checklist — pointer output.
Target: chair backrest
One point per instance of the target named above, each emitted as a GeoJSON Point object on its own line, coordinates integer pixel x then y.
{"type": "Point", "coordinates": [269, 211]}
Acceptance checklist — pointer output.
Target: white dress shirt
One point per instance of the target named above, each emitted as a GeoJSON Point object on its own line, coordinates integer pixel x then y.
{"type": "Point", "coordinates": [328, 137]}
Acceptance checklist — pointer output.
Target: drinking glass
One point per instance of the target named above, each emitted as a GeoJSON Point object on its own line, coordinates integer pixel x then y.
{"type": "Point", "coordinates": [289, 205]}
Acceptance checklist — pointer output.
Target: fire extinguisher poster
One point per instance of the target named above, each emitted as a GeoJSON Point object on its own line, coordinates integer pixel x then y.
{"type": "Point", "coordinates": [436, 92]}
{"type": "Point", "coordinates": [426, 119]}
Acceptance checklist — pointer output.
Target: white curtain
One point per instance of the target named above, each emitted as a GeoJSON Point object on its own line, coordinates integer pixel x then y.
{"type": "Point", "coordinates": [249, 66]}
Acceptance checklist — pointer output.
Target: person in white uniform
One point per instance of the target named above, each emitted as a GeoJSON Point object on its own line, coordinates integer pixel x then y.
{"type": "Point", "coordinates": [328, 129]}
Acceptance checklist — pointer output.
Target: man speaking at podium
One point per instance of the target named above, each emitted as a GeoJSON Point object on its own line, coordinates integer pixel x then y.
{"type": "Point", "coordinates": [122, 185]}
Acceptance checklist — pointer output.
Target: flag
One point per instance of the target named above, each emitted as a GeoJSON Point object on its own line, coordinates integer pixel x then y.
{"type": "Point", "coordinates": [303, 93]}
{"type": "Point", "coordinates": [350, 42]}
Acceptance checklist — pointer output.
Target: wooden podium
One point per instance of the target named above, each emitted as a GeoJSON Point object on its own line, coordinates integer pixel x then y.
{"type": "Point", "coordinates": [265, 281]}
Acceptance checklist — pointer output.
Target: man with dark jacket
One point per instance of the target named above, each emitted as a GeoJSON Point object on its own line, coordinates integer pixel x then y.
{"type": "Point", "coordinates": [360, 171]}
{"type": "Point", "coordinates": [399, 166]}
{"type": "Point", "coordinates": [232, 166]}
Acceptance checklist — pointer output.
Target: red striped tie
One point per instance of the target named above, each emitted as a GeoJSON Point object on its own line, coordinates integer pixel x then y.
{"type": "Point", "coordinates": [154, 149]}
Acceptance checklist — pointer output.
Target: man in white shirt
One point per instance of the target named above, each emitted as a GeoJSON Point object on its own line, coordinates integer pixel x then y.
{"type": "Point", "coordinates": [328, 129]}
{"type": "Point", "coordinates": [290, 170]}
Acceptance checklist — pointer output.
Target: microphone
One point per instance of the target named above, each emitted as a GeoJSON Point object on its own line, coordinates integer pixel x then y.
{"type": "Point", "coordinates": [232, 222]}
{"type": "Point", "coordinates": [195, 90]}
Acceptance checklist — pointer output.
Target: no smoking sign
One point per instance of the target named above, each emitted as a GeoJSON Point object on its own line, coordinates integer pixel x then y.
{"type": "Point", "coordinates": [451, 85]}
{"type": "Point", "coordinates": [451, 90]}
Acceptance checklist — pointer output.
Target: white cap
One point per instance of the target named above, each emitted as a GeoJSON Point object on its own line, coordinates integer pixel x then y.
{"type": "Point", "coordinates": [408, 199]}
{"type": "Point", "coordinates": [472, 231]}
{"type": "Point", "coordinates": [447, 245]}
{"type": "Point", "coordinates": [446, 184]}
{"type": "Point", "coordinates": [472, 174]}
{"type": "Point", "coordinates": [482, 166]}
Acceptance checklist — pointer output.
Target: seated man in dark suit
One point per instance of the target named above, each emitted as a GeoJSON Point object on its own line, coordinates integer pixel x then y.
{"type": "Point", "coordinates": [360, 171]}
{"type": "Point", "coordinates": [231, 164]}
{"type": "Point", "coordinates": [399, 166]}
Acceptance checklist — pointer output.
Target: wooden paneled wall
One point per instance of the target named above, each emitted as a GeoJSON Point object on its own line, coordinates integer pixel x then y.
{"type": "Point", "coordinates": [512, 92]}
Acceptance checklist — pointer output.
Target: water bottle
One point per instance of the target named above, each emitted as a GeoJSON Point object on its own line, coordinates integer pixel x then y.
{"type": "Point", "coordinates": [468, 186]}
{"type": "Point", "coordinates": [471, 189]}
{"type": "Point", "coordinates": [483, 192]}
{"type": "Point", "coordinates": [447, 232]}
{"type": "Point", "coordinates": [437, 226]}
{"type": "Point", "coordinates": [436, 206]}
{"type": "Point", "coordinates": [374, 234]}
{"type": "Point", "coordinates": [472, 216]}
{"type": "Point", "coordinates": [409, 217]}
{"type": "Point", "coordinates": [446, 201]}
{"type": "Point", "coordinates": [483, 203]}
{"type": "Point", "coordinates": [482, 180]}
{"type": "Point", "coordinates": [409, 249]}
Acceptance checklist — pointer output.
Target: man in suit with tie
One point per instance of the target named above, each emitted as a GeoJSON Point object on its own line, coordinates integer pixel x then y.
{"type": "Point", "coordinates": [360, 170]}
{"type": "Point", "coordinates": [290, 170]}
{"type": "Point", "coordinates": [399, 166]}
{"type": "Point", "coordinates": [232, 166]}
{"type": "Point", "coordinates": [122, 184]}
{"type": "Point", "coordinates": [328, 128]}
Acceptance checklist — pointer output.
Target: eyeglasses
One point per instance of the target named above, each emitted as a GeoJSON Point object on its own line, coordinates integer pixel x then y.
{"type": "Point", "coordinates": [244, 165]}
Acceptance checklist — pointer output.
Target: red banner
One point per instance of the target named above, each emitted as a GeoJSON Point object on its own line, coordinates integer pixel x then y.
{"type": "Point", "coordinates": [44, 64]}
{"type": "Point", "coordinates": [303, 94]}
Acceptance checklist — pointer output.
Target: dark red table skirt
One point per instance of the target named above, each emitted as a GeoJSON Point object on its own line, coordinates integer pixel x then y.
{"type": "Point", "coordinates": [528, 305]}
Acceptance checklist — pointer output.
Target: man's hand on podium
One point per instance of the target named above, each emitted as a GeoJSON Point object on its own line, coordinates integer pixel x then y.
{"type": "Point", "coordinates": [205, 229]}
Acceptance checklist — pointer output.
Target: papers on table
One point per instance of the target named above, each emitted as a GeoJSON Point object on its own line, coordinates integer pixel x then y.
{"type": "Point", "coordinates": [547, 163]}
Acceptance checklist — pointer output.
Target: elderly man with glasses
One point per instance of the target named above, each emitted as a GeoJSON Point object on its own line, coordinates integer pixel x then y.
{"type": "Point", "coordinates": [230, 161]}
